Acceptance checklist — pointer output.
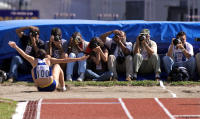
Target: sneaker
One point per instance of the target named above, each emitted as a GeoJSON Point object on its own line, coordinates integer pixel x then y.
{"type": "Point", "coordinates": [113, 79]}
{"type": "Point", "coordinates": [63, 89]}
{"type": "Point", "coordinates": [134, 77]}
{"type": "Point", "coordinates": [128, 78]}
{"type": "Point", "coordinates": [69, 78]}
{"type": "Point", "coordinates": [157, 77]}
{"type": "Point", "coordinates": [11, 80]}
{"type": "Point", "coordinates": [81, 77]}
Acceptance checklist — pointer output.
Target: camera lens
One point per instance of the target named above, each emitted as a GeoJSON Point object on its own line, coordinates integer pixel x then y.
{"type": "Point", "coordinates": [176, 41]}
{"type": "Point", "coordinates": [142, 37]}
{"type": "Point", "coordinates": [57, 38]}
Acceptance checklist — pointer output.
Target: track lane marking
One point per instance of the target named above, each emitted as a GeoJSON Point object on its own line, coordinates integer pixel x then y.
{"type": "Point", "coordinates": [125, 108]}
{"type": "Point", "coordinates": [163, 86]}
{"type": "Point", "coordinates": [39, 109]}
{"type": "Point", "coordinates": [187, 116]}
{"type": "Point", "coordinates": [164, 108]}
{"type": "Point", "coordinates": [86, 103]}
{"type": "Point", "coordinates": [19, 111]}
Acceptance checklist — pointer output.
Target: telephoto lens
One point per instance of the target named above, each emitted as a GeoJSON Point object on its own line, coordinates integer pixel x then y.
{"type": "Point", "coordinates": [142, 37]}
{"type": "Point", "coordinates": [176, 41]}
{"type": "Point", "coordinates": [57, 38]}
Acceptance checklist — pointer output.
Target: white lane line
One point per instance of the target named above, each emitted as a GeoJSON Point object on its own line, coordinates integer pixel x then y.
{"type": "Point", "coordinates": [164, 108]}
{"type": "Point", "coordinates": [125, 109]}
{"type": "Point", "coordinates": [19, 113]}
{"type": "Point", "coordinates": [39, 109]}
{"type": "Point", "coordinates": [86, 103]}
{"type": "Point", "coordinates": [187, 116]}
{"type": "Point", "coordinates": [163, 86]}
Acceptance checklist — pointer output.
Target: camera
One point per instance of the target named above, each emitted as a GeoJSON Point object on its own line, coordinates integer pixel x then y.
{"type": "Point", "coordinates": [57, 38]}
{"type": "Point", "coordinates": [142, 37]}
{"type": "Point", "coordinates": [176, 41]}
{"type": "Point", "coordinates": [33, 33]}
{"type": "Point", "coordinates": [93, 45]}
{"type": "Point", "coordinates": [77, 39]}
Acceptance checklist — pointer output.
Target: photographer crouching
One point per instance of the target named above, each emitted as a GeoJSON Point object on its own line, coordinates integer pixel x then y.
{"type": "Point", "coordinates": [180, 54]}
{"type": "Point", "coordinates": [57, 46]}
{"type": "Point", "coordinates": [97, 69]}
{"type": "Point", "coordinates": [120, 59]}
{"type": "Point", "coordinates": [146, 59]}
{"type": "Point", "coordinates": [76, 48]}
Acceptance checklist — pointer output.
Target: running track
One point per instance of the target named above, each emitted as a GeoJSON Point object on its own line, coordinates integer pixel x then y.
{"type": "Point", "coordinates": [121, 108]}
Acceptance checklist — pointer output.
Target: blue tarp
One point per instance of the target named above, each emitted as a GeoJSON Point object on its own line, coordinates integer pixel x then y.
{"type": "Point", "coordinates": [161, 32]}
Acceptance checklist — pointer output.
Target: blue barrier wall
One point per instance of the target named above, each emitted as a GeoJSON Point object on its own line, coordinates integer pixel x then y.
{"type": "Point", "coordinates": [161, 32]}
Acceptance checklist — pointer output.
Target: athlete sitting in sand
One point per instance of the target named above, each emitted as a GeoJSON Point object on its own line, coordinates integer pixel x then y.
{"type": "Point", "coordinates": [45, 78]}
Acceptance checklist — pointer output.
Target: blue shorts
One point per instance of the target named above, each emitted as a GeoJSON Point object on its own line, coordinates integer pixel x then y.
{"type": "Point", "coordinates": [49, 88]}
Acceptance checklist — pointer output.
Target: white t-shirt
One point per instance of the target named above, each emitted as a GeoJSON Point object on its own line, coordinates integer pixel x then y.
{"type": "Point", "coordinates": [179, 55]}
{"type": "Point", "coordinates": [143, 50]}
{"type": "Point", "coordinates": [118, 50]}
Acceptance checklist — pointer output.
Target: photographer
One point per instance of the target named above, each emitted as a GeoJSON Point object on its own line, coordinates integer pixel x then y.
{"type": "Point", "coordinates": [30, 45]}
{"type": "Point", "coordinates": [56, 46]}
{"type": "Point", "coordinates": [180, 54]}
{"type": "Point", "coordinates": [97, 63]}
{"type": "Point", "coordinates": [76, 48]}
{"type": "Point", "coordinates": [120, 59]}
{"type": "Point", "coordinates": [146, 59]}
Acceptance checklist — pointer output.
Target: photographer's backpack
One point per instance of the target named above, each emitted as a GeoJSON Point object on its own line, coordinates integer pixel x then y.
{"type": "Point", "coordinates": [179, 74]}
{"type": "Point", "coordinates": [3, 76]}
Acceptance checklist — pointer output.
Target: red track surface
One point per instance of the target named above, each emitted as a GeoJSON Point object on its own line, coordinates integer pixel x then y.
{"type": "Point", "coordinates": [115, 109]}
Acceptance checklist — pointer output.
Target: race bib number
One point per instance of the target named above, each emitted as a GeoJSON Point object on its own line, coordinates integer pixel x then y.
{"type": "Point", "coordinates": [42, 71]}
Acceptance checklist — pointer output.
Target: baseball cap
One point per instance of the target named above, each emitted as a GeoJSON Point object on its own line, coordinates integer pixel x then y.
{"type": "Point", "coordinates": [145, 31]}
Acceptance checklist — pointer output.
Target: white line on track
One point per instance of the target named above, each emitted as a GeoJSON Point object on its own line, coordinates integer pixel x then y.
{"type": "Point", "coordinates": [38, 109]}
{"type": "Point", "coordinates": [125, 109]}
{"type": "Point", "coordinates": [21, 107]}
{"type": "Point", "coordinates": [187, 116]}
{"type": "Point", "coordinates": [86, 103]}
{"type": "Point", "coordinates": [163, 86]}
{"type": "Point", "coordinates": [164, 108]}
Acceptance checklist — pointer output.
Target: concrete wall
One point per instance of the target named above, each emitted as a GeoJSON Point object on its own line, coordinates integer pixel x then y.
{"type": "Point", "coordinates": [90, 9]}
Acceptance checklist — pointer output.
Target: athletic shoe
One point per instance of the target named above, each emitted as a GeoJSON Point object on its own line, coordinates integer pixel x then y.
{"type": "Point", "coordinates": [81, 77]}
{"type": "Point", "coordinates": [128, 78]}
{"type": "Point", "coordinates": [69, 78]}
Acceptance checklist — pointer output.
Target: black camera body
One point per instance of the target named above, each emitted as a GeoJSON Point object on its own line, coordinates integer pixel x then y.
{"type": "Point", "coordinates": [77, 39]}
{"type": "Point", "coordinates": [142, 37]}
{"type": "Point", "coordinates": [177, 41]}
{"type": "Point", "coordinates": [33, 33]}
{"type": "Point", "coordinates": [93, 44]}
{"type": "Point", "coordinates": [57, 38]}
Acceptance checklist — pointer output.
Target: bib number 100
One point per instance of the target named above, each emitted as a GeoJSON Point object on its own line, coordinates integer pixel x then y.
{"type": "Point", "coordinates": [42, 73]}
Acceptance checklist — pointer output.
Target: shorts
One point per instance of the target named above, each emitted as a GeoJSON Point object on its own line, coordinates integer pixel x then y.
{"type": "Point", "coordinates": [49, 88]}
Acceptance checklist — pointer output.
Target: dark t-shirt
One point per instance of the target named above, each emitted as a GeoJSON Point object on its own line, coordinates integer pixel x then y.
{"type": "Point", "coordinates": [26, 46]}
{"type": "Point", "coordinates": [102, 66]}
